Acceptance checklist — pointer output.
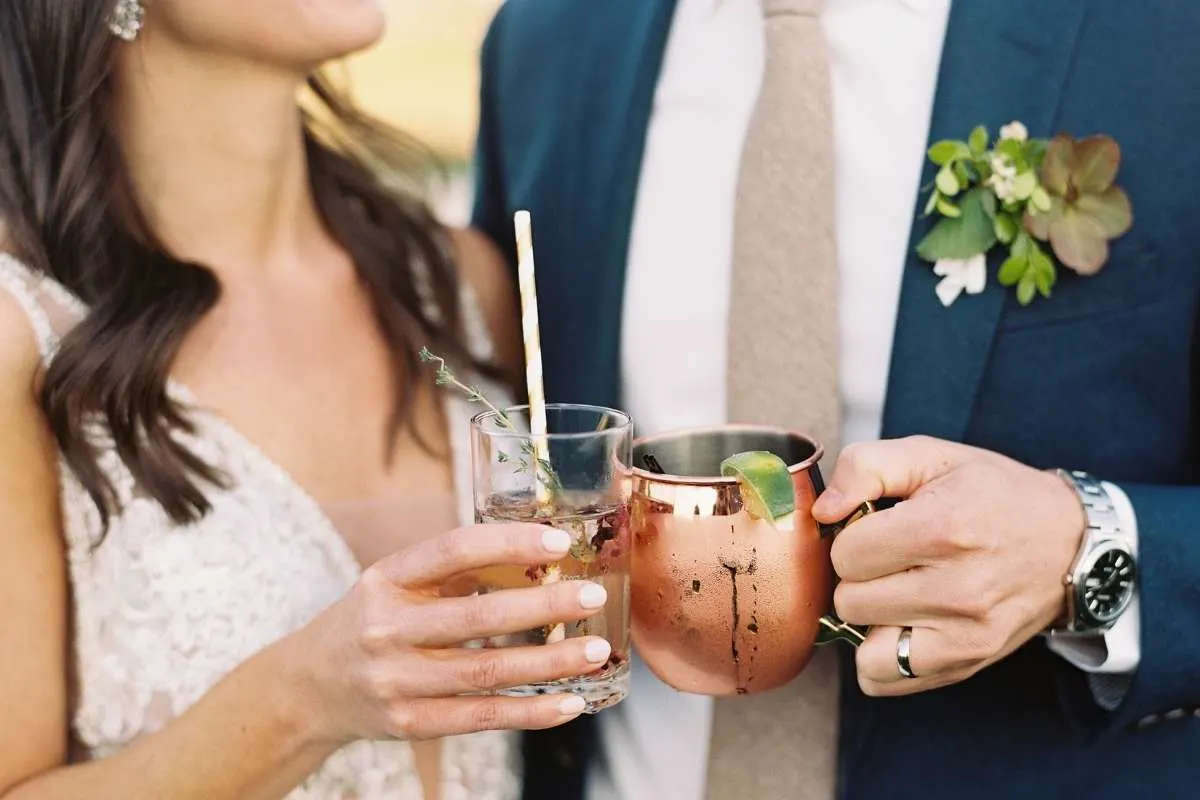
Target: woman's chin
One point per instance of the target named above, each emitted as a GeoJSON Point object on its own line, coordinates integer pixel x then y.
{"type": "Point", "coordinates": [343, 28]}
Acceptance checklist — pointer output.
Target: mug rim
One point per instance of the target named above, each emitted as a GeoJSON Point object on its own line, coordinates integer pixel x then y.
{"type": "Point", "coordinates": [719, 480]}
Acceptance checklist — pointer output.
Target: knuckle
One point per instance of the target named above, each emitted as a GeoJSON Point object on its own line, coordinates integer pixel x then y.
{"type": "Point", "coordinates": [958, 600]}
{"type": "Point", "coordinates": [869, 687]}
{"type": "Point", "coordinates": [376, 583]}
{"type": "Point", "coordinates": [517, 538]}
{"type": "Point", "coordinates": [479, 615]}
{"type": "Point", "coordinates": [977, 644]}
{"type": "Point", "coordinates": [487, 715]}
{"type": "Point", "coordinates": [952, 538]}
{"type": "Point", "coordinates": [838, 557]}
{"type": "Point", "coordinates": [975, 606]}
{"type": "Point", "coordinates": [973, 596]}
{"type": "Point", "coordinates": [564, 662]}
{"type": "Point", "coordinates": [403, 723]}
{"type": "Point", "coordinates": [373, 577]}
{"type": "Point", "coordinates": [937, 452]}
{"type": "Point", "coordinates": [922, 440]}
{"type": "Point", "coordinates": [956, 538]}
{"type": "Point", "coordinates": [987, 602]}
{"type": "Point", "coordinates": [375, 639]}
{"type": "Point", "coordinates": [854, 455]}
{"type": "Point", "coordinates": [379, 683]}
{"type": "Point", "coordinates": [845, 603]}
{"type": "Point", "coordinates": [562, 600]}
{"type": "Point", "coordinates": [985, 537]}
{"type": "Point", "coordinates": [453, 547]}
{"type": "Point", "coordinates": [486, 672]}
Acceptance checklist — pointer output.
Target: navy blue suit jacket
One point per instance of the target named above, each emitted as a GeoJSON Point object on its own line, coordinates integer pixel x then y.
{"type": "Point", "coordinates": [1105, 376]}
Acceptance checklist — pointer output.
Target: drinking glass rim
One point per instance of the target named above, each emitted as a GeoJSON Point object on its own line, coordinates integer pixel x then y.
{"type": "Point", "coordinates": [720, 480]}
{"type": "Point", "coordinates": [622, 422]}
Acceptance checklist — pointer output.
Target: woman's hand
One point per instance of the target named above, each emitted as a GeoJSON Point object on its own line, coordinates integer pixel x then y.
{"type": "Point", "coordinates": [386, 661]}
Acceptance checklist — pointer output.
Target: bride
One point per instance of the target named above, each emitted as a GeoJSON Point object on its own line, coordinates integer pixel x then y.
{"type": "Point", "coordinates": [210, 316]}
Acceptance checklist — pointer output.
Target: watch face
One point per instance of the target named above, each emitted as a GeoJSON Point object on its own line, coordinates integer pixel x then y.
{"type": "Point", "coordinates": [1108, 587]}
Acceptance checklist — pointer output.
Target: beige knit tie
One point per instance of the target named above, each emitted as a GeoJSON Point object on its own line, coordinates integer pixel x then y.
{"type": "Point", "coordinates": [783, 329]}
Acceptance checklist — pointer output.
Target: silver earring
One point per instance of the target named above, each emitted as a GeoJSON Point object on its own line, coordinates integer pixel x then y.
{"type": "Point", "coordinates": [125, 21]}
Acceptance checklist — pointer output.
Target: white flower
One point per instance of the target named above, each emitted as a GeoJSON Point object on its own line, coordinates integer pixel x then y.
{"type": "Point", "coordinates": [958, 275]}
{"type": "Point", "coordinates": [1015, 131]}
{"type": "Point", "coordinates": [1003, 166]}
{"type": "Point", "coordinates": [1003, 187]}
{"type": "Point", "coordinates": [1003, 178]}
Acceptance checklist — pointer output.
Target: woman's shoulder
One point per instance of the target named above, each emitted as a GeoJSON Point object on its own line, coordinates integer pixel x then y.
{"type": "Point", "coordinates": [488, 274]}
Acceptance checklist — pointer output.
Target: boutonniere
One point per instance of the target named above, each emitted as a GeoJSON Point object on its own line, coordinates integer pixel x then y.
{"type": "Point", "coordinates": [1050, 202]}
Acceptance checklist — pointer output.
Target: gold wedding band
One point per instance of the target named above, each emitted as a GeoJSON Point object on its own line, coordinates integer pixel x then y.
{"type": "Point", "coordinates": [903, 646]}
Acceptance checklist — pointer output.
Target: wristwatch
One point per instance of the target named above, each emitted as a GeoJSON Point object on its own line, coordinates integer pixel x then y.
{"type": "Point", "coordinates": [1103, 578]}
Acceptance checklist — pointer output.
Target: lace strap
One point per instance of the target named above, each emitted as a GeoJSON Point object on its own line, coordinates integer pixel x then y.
{"type": "Point", "coordinates": [478, 339]}
{"type": "Point", "coordinates": [21, 282]}
{"type": "Point", "coordinates": [475, 326]}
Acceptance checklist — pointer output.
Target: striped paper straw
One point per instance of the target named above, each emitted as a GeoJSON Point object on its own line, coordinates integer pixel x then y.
{"type": "Point", "coordinates": [533, 346]}
{"type": "Point", "coordinates": [533, 381]}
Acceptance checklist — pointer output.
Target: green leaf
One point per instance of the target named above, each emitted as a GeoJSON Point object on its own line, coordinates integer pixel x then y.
{"type": "Point", "coordinates": [978, 167]}
{"type": "Point", "coordinates": [948, 209]}
{"type": "Point", "coordinates": [1097, 159]}
{"type": "Point", "coordinates": [1056, 167]}
{"type": "Point", "coordinates": [1013, 207]}
{"type": "Point", "coordinates": [1043, 282]}
{"type": "Point", "coordinates": [1035, 151]}
{"type": "Point", "coordinates": [1078, 241]}
{"type": "Point", "coordinates": [1014, 150]}
{"type": "Point", "coordinates": [978, 140]}
{"type": "Point", "coordinates": [970, 234]}
{"type": "Point", "coordinates": [1026, 289]}
{"type": "Point", "coordinates": [1045, 274]}
{"type": "Point", "coordinates": [989, 204]}
{"type": "Point", "coordinates": [947, 182]}
{"type": "Point", "coordinates": [1111, 211]}
{"type": "Point", "coordinates": [1012, 270]}
{"type": "Point", "coordinates": [1042, 267]}
{"type": "Point", "coordinates": [1024, 185]}
{"type": "Point", "coordinates": [1040, 200]}
{"type": "Point", "coordinates": [932, 204]}
{"type": "Point", "coordinates": [1023, 245]}
{"type": "Point", "coordinates": [963, 171]}
{"type": "Point", "coordinates": [1005, 227]}
{"type": "Point", "coordinates": [948, 150]}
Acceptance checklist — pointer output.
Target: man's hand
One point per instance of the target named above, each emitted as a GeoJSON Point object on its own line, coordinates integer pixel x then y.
{"type": "Point", "coordinates": [972, 558]}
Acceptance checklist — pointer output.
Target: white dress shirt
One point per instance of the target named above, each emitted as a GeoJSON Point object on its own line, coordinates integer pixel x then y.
{"type": "Point", "coordinates": [885, 57]}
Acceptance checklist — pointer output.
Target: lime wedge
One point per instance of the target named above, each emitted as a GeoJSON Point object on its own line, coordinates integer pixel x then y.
{"type": "Point", "coordinates": [766, 486]}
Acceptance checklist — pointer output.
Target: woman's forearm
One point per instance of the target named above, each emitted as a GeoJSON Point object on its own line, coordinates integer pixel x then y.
{"type": "Point", "coordinates": [249, 738]}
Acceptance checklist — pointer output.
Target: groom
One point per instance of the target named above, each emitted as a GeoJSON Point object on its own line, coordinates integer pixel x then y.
{"type": "Point", "coordinates": [727, 199]}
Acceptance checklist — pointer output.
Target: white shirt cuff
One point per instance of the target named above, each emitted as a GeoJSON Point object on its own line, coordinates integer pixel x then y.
{"type": "Point", "coordinates": [1118, 650]}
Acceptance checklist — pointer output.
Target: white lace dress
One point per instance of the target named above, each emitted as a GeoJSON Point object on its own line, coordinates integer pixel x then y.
{"type": "Point", "coordinates": [163, 612]}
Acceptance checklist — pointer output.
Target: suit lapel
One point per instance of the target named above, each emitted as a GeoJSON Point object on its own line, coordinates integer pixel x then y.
{"type": "Point", "coordinates": [633, 102]}
{"type": "Point", "coordinates": [1002, 61]}
{"type": "Point", "coordinates": [581, 182]}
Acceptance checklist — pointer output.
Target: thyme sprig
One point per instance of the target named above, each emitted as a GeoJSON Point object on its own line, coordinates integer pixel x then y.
{"type": "Point", "coordinates": [446, 377]}
{"type": "Point", "coordinates": [540, 467]}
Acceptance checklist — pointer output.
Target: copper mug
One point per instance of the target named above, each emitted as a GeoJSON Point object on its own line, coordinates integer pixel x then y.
{"type": "Point", "coordinates": [724, 604]}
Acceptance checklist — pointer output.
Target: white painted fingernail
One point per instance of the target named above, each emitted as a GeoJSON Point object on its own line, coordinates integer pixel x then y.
{"type": "Point", "coordinates": [556, 541]}
{"type": "Point", "coordinates": [571, 705]}
{"type": "Point", "coordinates": [597, 651]}
{"type": "Point", "coordinates": [592, 595]}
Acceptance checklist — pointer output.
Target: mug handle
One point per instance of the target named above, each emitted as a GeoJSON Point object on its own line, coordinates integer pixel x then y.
{"type": "Point", "coordinates": [831, 627]}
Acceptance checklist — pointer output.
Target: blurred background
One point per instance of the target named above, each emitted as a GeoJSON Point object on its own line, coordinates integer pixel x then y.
{"type": "Point", "coordinates": [424, 78]}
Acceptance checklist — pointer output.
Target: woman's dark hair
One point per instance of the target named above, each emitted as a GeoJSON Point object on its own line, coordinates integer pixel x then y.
{"type": "Point", "coordinates": [70, 212]}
